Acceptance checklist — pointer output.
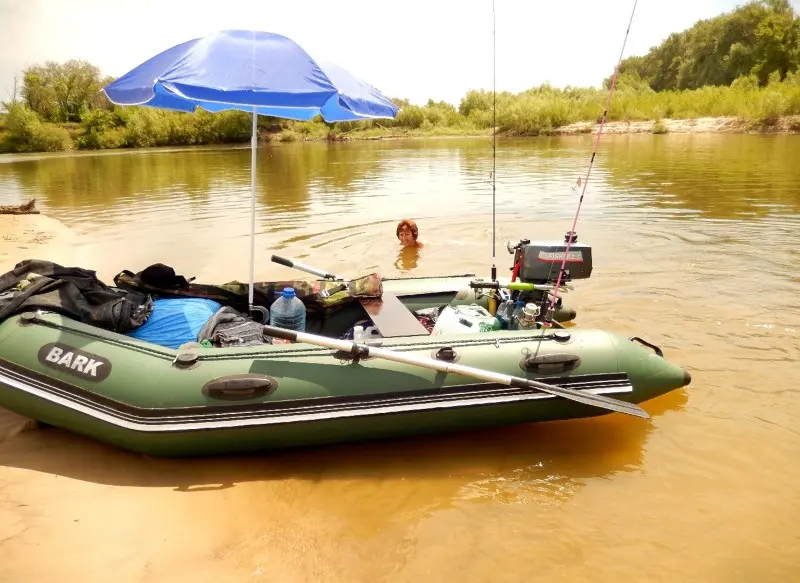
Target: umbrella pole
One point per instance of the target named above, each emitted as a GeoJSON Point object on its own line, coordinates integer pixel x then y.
{"type": "Point", "coordinates": [253, 148]}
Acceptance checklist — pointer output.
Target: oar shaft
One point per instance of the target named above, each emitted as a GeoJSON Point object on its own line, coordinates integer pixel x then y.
{"type": "Point", "coordinates": [446, 367]}
{"type": "Point", "coordinates": [303, 267]}
{"type": "Point", "coordinates": [367, 350]}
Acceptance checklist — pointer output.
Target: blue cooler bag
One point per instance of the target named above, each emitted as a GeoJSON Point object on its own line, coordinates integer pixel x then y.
{"type": "Point", "coordinates": [176, 321]}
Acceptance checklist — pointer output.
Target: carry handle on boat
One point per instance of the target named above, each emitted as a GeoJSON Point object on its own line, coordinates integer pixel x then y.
{"type": "Point", "coordinates": [365, 350]}
{"type": "Point", "coordinates": [655, 348]}
{"type": "Point", "coordinates": [239, 387]}
{"type": "Point", "coordinates": [303, 267]}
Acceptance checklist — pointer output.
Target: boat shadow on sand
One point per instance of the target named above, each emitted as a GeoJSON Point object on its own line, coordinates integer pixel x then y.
{"type": "Point", "coordinates": [576, 449]}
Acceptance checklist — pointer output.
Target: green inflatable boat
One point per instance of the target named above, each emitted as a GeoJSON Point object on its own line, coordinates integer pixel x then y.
{"type": "Point", "coordinates": [434, 360]}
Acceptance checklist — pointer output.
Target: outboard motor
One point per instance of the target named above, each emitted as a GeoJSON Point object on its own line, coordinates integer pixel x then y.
{"type": "Point", "coordinates": [526, 299]}
{"type": "Point", "coordinates": [535, 272]}
{"type": "Point", "coordinates": [538, 262]}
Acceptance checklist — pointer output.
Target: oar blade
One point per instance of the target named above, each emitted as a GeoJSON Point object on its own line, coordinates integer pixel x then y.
{"type": "Point", "coordinates": [591, 399]}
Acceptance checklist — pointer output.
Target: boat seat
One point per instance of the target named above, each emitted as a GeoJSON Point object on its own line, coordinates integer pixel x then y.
{"type": "Point", "coordinates": [392, 318]}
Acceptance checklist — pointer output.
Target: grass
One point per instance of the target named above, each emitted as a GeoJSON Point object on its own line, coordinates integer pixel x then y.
{"type": "Point", "coordinates": [542, 110]}
{"type": "Point", "coordinates": [659, 127]}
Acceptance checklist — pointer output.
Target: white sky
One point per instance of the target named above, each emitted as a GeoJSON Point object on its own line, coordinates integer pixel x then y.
{"type": "Point", "coordinates": [410, 48]}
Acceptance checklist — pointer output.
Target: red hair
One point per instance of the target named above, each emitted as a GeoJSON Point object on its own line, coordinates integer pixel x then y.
{"type": "Point", "coordinates": [412, 226]}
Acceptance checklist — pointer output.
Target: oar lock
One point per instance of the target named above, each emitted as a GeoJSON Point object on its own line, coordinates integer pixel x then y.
{"type": "Point", "coordinates": [446, 354]}
{"type": "Point", "coordinates": [561, 335]}
{"type": "Point", "coordinates": [185, 359]}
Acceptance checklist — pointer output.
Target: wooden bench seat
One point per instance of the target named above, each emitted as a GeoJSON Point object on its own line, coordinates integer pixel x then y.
{"type": "Point", "coordinates": [392, 318]}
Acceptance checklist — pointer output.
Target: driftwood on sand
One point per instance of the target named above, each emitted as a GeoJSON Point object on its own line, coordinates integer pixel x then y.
{"type": "Point", "coordinates": [29, 208]}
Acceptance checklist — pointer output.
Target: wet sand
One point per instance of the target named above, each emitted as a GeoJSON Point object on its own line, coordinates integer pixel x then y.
{"type": "Point", "coordinates": [35, 236]}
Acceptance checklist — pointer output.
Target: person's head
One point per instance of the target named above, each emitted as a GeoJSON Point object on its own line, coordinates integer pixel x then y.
{"type": "Point", "coordinates": [407, 232]}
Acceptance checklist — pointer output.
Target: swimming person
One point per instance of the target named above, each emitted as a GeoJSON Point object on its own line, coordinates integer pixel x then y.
{"type": "Point", "coordinates": [407, 233]}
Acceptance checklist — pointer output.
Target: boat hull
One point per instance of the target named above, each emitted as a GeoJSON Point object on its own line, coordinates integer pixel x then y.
{"type": "Point", "coordinates": [159, 401]}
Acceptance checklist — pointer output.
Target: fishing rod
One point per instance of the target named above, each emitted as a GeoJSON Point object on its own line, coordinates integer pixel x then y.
{"type": "Point", "coordinates": [494, 137]}
{"type": "Point", "coordinates": [571, 236]}
{"type": "Point", "coordinates": [493, 298]}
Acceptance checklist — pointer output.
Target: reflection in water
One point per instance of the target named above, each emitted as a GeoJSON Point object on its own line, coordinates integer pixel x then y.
{"type": "Point", "coordinates": [711, 176]}
{"type": "Point", "coordinates": [694, 242]}
{"type": "Point", "coordinates": [407, 258]}
{"type": "Point", "coordinates": [469, 460]}
{"type": "Point", "coordinates": [111, 180]}
{"type": "Point", "coordinates": [721, 176]}
{"type": "Point", "coordinates": [352, 504]}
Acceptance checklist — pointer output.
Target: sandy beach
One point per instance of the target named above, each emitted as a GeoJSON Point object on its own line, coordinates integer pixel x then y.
{"type": "Point", "coordinates": [33, 236]}
{"type": "Point", "coordinates": [700, 125]}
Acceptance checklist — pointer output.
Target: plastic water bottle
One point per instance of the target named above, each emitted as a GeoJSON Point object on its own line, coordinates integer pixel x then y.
{"type": "Point", "coordinates": [288, 311]}
{"type": "Point", "coordinates": [516, 314]}
{"type": "Point", "coordinates": [505, 313]}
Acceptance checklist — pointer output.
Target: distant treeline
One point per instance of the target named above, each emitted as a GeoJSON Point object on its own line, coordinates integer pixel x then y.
{"type": "Point", "coordinates": [759, 39]}
{"type": "Point", "coordinates": [745, 63]}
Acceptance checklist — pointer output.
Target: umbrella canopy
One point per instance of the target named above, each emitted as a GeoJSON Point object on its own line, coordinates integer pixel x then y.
{"type": "Point", "coordinates": [244, 69]}
{"type": "Point", "coordinates": [258, 72]}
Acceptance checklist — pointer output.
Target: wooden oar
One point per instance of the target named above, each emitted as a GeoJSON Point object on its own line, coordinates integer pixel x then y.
{"type": "Point", "coordinates": [468, 371]}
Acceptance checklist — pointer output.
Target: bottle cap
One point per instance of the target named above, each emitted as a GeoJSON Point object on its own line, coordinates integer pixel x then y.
{"type": "Point", "coordinates": [530, 310]}
{"type": "Point", "coordinates": [288, 293]}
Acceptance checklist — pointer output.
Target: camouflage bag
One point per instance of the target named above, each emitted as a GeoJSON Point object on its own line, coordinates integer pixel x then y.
{"type": "Point", "coordinates": [319, 296]}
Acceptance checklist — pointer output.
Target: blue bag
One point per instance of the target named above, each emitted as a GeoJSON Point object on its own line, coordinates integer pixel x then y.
{"type": "Point", "coordinates": [176, 321]}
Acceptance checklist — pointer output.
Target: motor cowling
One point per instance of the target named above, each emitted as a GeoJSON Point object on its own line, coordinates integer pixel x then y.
{"type": "Point", "coordinates": [540, 261]}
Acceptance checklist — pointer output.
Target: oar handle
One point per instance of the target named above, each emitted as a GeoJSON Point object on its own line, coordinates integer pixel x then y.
{"type": "Point", "coordinates": [303, 267]}
{"type": "Point", "coordinates": [282, 261]}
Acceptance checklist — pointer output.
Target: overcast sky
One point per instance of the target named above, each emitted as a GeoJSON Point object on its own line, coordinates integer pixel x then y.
{"type": "Point", "coordinates": [411, 48]}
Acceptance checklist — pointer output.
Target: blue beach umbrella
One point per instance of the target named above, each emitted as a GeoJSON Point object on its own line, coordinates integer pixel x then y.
{"type": "Point", "coordinates": [253, 71]}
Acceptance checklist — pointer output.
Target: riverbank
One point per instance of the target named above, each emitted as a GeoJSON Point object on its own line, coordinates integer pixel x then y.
{"type": "Point", "coordinates": [701, 125]}
{"type": "Point", "coordinates": [315, 132]}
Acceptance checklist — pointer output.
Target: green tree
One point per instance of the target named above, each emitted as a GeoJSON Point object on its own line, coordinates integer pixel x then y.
{"type": "Point", "coordinates": [60, 92]}
{"type": "Point", "coordinates": [758, 38]}
{"type": "Point", "coordinates": [777, 39]}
